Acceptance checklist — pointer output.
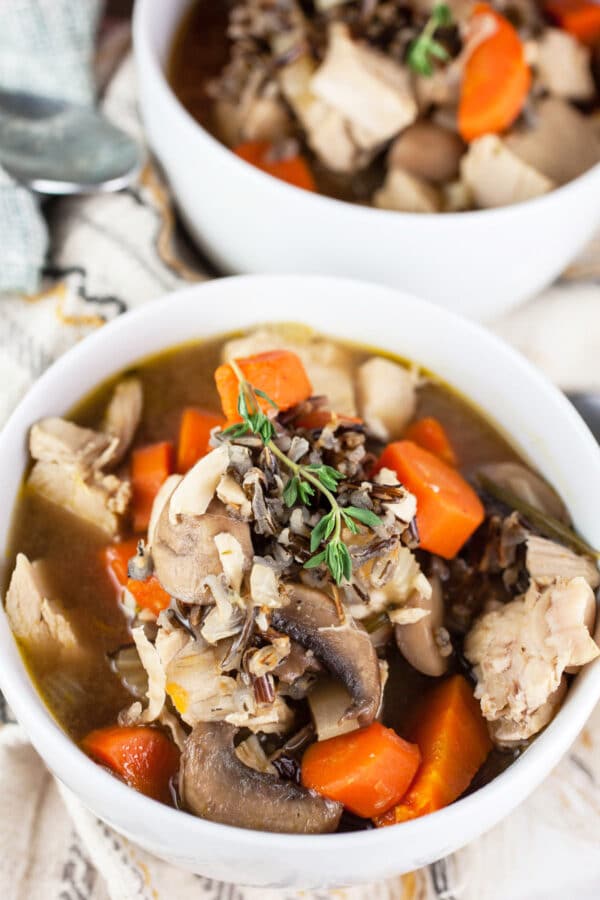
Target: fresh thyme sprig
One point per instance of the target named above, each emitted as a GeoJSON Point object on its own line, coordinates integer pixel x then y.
{"type": "Point", "coordinates": [424, 49]}
{"type": "Point", "coordinates": [302, 485]}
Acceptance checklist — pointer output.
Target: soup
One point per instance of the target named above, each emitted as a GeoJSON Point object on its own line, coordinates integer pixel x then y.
{"type": "Point", "coordinates": [292, 584]}
{"type": "Point", "coordinates": [413, 107]}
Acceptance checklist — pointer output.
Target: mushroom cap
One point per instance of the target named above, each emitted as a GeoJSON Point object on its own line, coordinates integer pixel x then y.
{"type": "Point", "coordinates": [185, 552]}
{"type": "Point", "coordinates": [215, 784]}
{"type": "Point", "coordinates": [311, 619]}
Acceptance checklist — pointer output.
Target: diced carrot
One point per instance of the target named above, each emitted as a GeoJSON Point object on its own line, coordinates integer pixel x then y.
{"type": "Point", "coordinates": [496, 79]}
{"type": "Point", "coordinates": [149, 594]}
{"type": "Point", "coordinates": [430, 434]}
{"type": "Point", "coordinates": [581, 18]}
{"type": "Point", "coordinates": [150, 467]}
{"type": "Point", "coordinates": [116, 557]}
{"type": "Point", "coordinates": [194, 435]}
{"type": "Point", "coordinates": [278, 373]}
{"type": "Point", "coordinates": [368, 770]}
{"type": "Point", "coordinates": [454, 742]}
{"type": "Point", "coordinates": [292, 169]}
{"type": "Point", "coordinates": [319, 418]}
{"type": "Point", "coordinates": [448, 509]}
{"type": "Point", "coordinates": [144, 757]}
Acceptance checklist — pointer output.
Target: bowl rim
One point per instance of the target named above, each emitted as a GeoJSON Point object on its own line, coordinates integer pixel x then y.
{"type": "Point", "coordinates": [143, 13]}
{"type": "Point", "coordinates": [520, 778]}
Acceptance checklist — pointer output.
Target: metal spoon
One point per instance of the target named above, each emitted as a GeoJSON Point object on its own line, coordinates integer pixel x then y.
{"type": "Point", "coordinates": [55, 147]}
{"type": "Point", "coordinates": [587, 405]}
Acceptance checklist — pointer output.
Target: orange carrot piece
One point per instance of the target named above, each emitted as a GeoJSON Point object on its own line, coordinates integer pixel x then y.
{"type": "Point", "coordinates": [194, 435]}
{"type": "Point", "coordinates": [430, 434]}
{"type": "Point", "coordinates": [581, 18]}
{"type": "Point", "coordinates": [279, 373]}
{"type": "Point", "coordinates": [292, 169]}
{"type": "Point", "coordinates": [454, 742]}
{"type": "Point", "coordinates": [144, 757]}
{"type": "Point", "coordinates": [319, 418]}
{"type": "Point", "coordinates": [496, 80]}
{"type": "Point", "coordinates": [150, 467]}
{"type": "Point", "coordinates": [116, 557]}
{"type": "Point", "coordinates": [448, 509]}
{"type": "Point", "coordinates": [149, 594]}
{"type": "Point", "coordinates": [369, 770]}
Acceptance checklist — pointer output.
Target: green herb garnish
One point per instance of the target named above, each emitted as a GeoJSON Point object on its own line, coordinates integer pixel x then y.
{"type": "Point", "coordinates": [302, 486]}
{"type": "Point", "coordinates": [425, 49]}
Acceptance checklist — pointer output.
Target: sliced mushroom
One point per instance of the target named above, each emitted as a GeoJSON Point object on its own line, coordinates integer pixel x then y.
{"type": "Point", "coordinates": [311, 619]}
{"type": "Point", "coordinates": [216, 785]}
{"type": "Point", "coordinates": [521, 481]}
{"type": "Point", "coordinates": [185, 553]}
{"type": "Point", "coordinates": [418, 641]}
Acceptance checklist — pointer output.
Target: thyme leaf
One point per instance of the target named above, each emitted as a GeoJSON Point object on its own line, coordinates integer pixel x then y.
{"type": "Point", "coordinates": [425, 48]}
{"type": "Point", "coordinates": [303, 484]}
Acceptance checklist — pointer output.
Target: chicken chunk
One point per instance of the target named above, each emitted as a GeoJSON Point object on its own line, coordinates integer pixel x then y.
{"type": "Point", "coordinates": [37, 620]}
{"type": "Point", "coordinates": [564, 65]}
{"type": "Point", "coordinates": [123, 416]}
{"type": "Point", "coordinates": [55, 440]}
{"type": "Point", "coordinates": [370, 90]}
{"type": "Point", "coordinates": [520, 652]}
{"type": "Point", "coordinates": [262, 118]}
{"type": "Point", "coordinates": [328, 366]}
{"type": "Point", "coordinates": [404, 192]}
{"type": "Point", "coordinates": [497, 176]}
{"type": "Point", "coordinates": [562, 146]}
{"type": "Point", "coordinates": [327, 130]}
{"type": "Point", "coordinates": [386, 396]}
{"type": "Point", "coordinates": [100, 499]}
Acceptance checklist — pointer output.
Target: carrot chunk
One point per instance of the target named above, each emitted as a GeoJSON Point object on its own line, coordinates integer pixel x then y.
{"type": "Point", "coordinates": [430, 434]}
{"type": "Point", "coordinates": [454, 742]}
{"type": "Point", "coordinates": [194, 435]}
{"type": "Point", "coordinates": [278, 373]}
{"type": "Point", "coordinates": [581, 18]}
{"type": "Point", "coordinates": [496, 79]}
{"type": "Point", "coordinates": [145, 758]}
{"type": "Point", "coordinates": [150, 467]}
{"type": "Point", "coordinates": [448, 509]}
{"type": "Point", "coordinates": [368, 770]}
{"type": "Point", "coordinates": [149, 594]}
{"type": "Point", "coordinates": [116, 558]}
{"type": "Point", "coordinates": [292, 169]}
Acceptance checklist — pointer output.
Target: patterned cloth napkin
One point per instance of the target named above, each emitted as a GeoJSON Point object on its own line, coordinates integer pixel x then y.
{"type": "Point", "coordinates": [111, 253]}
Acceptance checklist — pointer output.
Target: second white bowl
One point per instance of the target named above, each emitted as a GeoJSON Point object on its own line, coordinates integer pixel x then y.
{"type": "Point", "coordinates": [476, 263]}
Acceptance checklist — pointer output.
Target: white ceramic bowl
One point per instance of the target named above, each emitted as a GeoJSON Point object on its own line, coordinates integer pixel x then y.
{"type": "Point", "coordinates": [477, 263]}
{"type": "Point", "coordinates": [542, 426]}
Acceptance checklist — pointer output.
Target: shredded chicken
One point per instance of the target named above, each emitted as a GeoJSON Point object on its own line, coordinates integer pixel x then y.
{"type": "Point", "coordinates": [520, 651]}
{"type": "Point", "coordinates": [36, 618]}
{"type": "Point", "coordinates": [386, 397]}
{"type": "Point", "coordinates": [57, 441]}
{"type": "Point", "coordinates": [100, 500]}
{"type": "Point", "coordinates": [497, 175]}
{"type": "Point", "coordinates": [404, 192]}
{"type": "Point", "coordinates": [123, 416]}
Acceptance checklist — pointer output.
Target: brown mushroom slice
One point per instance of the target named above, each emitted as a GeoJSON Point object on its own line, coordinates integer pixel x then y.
{"type": "Point", "coordinates": [185, 553]}
{"type": "Point", "coordinates": [311, 619]}
{"type": "Point", "coordinates": [429, 151]}
{"type": "Point", "coordinates": [216, 785]}
{"type": "Point", "coordinates": [527, 485]}
{"type": "Point", "coordinates": [417, 641]}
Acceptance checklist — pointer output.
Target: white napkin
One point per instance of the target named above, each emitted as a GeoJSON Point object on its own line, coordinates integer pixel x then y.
{"type": "Point", "coordinates": [46, 47]}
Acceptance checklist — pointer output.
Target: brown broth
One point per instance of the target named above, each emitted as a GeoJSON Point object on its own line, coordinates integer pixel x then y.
{"type": "Point", "coordinates": [91, 695]}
